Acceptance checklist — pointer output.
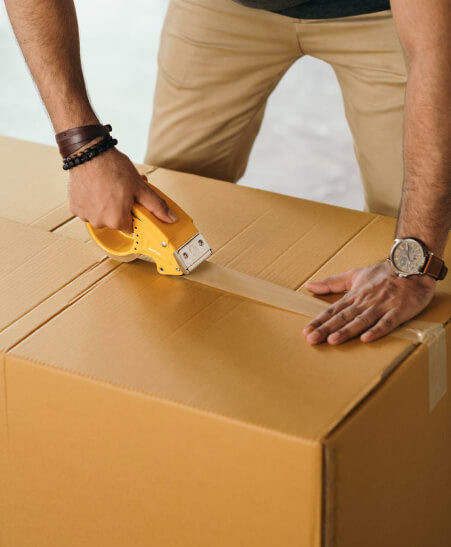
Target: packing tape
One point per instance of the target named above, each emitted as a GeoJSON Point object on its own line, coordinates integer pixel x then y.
{"type": "Point", "coordinates": [433, 335]}
{"type": "Point", "coordinates": [258, 290]}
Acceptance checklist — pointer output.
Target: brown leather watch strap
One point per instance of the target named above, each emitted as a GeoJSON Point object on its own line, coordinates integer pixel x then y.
{"type": "Point", "coordinates": [72, 139]}
{"type": "Point", "coordinates": [435, 267]}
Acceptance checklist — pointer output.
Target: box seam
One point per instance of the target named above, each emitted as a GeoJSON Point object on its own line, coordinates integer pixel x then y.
{"type": "Point", "coordinates": [5, 394]}
{"type": "Point", "coordinates": [31, 257]}
{"type": "Point", "coordinates": [48, 214]}
{"type": "Point", "coordinates": [48, 297]}
{"type": "Point", "coordinates": [62, 223]}
{"type": "Point", "coordinates": [328, 502]}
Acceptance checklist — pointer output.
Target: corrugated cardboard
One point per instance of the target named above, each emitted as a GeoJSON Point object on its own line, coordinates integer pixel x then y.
{"type": "Point", "coordinates": [144, 410]}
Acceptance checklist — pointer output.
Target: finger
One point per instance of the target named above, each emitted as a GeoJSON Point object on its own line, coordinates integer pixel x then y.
{"type": "Point", "coordinates": [156, 205]}
{"type": "Point", "coordinates": [388, 322]}
{"type": "Point", "coordinates": [118, 220]}
{"type": "Point", "coordinates": [81, 217]}
{"type": "Point", "coordinates": [360, 323]}
{"type": "Point", "coordinates": [126, 221]}
{"type": "Point", "coordinates": [333, 284]}
{"type": "Point", "coordinates": [338, 320]}
{"type": "Point", "coordinates": [327, 314]}
{"type": "Point", "coordinates": [95, 223]}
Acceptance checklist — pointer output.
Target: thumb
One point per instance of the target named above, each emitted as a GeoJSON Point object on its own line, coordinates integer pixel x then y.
{"type": "Point", "coordinates": [333, 284]}
{"type": "Point", "coordinates": [153, 203]}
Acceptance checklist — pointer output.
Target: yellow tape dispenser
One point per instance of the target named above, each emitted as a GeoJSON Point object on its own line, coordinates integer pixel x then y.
{"type": "Point", "coordinates": [176, 248]}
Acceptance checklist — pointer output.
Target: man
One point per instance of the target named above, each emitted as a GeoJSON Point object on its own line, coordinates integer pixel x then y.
{"type": "Point", "coordinates": [219, 61]}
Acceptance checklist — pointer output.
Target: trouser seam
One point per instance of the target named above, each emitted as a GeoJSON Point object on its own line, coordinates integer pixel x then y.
{"type": "Point", "coordinates": [298, 35]}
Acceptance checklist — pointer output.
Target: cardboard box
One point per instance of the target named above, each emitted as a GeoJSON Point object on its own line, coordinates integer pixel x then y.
{"type": "Point", "coordinates": [137, 409]}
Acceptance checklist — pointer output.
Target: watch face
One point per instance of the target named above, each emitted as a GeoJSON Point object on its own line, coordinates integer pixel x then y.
{"type": "Point", "coordinates": [408, 256]}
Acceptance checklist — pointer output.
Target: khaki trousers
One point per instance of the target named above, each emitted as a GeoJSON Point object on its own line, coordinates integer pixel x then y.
{"type": "Point", "coordinates": [219, 62]}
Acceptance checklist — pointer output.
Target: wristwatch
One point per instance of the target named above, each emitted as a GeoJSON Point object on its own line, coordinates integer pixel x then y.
{"type": "Point", "coordinates": [410, 256]}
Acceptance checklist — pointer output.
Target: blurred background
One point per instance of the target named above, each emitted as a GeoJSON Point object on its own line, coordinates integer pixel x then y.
{"type": "Point", "coordinates": [304, 148]}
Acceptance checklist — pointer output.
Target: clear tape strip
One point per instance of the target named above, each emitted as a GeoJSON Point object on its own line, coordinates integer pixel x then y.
{"type": "Point", "coordinates": [433, 335]}
{"type": "Point", "coordinates": [258, 290]}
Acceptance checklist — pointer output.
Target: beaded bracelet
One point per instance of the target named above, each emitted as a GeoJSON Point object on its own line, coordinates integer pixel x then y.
{"type": "Point", "coordinates": [89, 153]}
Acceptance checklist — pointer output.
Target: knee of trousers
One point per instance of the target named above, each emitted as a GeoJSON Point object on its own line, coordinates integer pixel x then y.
{"type": "Point", "coordinates": [213, 156]}
{"type": "Point", "coordinates": [382, 177]}
{"type": "Point", "coordinates": [383, 196]}
{"type": "Point", "coordinates": [383, 199]}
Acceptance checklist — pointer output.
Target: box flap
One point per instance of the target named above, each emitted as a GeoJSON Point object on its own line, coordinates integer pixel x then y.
{"type": "Point", "coordinates": [76, 229]}
{"type": "Point", "coordinates": [34, 267]}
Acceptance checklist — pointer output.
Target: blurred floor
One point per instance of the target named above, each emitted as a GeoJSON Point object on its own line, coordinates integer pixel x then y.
{"type": "Point", "coordinates": [304, 148]}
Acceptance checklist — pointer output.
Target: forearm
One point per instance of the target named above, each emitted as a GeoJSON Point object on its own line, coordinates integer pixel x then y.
{"type": "Point", "coordinates": [47, 32]}
{"type": "Point", "coordinates": [425, 210]}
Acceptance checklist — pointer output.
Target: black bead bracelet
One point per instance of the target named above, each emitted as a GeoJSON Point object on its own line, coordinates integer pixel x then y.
{"type": "Point", "coordinates": [89, 153]}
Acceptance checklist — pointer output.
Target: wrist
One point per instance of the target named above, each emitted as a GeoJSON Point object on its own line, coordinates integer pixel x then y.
{"type": "Point", "coordinates": [86, 154]}
{"type": "Point", "coordinates": [435, 245]}
{"type": "Point", "coordinates": [433, 234]}
{"type": "Point", "coordinates": [411, 256]}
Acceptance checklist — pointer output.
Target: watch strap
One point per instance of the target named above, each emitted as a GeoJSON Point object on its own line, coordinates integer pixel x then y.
{"type": "Point", "coordinates": [435, 267]}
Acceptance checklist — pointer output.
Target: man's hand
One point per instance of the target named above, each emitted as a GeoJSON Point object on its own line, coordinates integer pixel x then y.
{"type": "Point", "coordinates": [376, 302]}
{"type": "Point", "coordinates": [103, 191]}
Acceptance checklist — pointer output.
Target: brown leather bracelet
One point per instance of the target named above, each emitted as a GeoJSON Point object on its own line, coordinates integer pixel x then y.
{"type": "Point", "coordinates": [72, 139]}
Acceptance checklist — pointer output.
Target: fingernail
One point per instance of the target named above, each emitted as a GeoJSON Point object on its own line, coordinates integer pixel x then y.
{"type": "Point", "coordinates": [334, 337]}
{"type": "Point", "coordinates": [172, 215]}
{"type": "Point", "coordinates": [315, 336]}
{"type": "Point", "coordinates": [307, 330]}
